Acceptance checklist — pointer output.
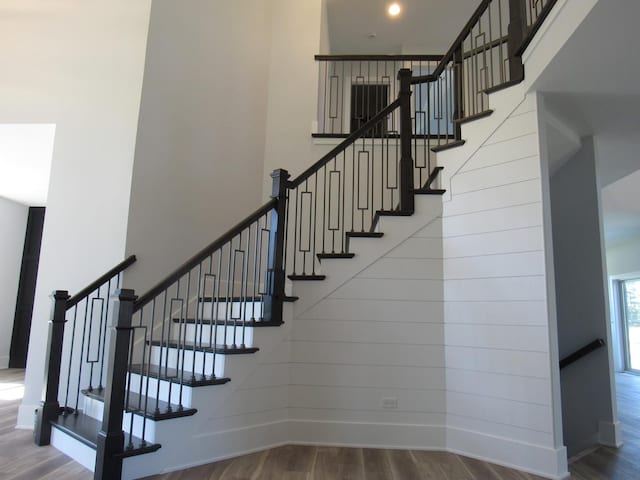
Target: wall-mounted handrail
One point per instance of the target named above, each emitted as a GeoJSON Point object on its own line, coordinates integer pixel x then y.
{"type": "Point", "coordinates": [73, 301]}
{"type": "Point", "coordinates": [581, 352]}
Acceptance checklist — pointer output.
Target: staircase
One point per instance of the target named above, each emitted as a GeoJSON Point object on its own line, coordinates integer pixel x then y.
{"type": "Point", "coordinates": [176, 354]}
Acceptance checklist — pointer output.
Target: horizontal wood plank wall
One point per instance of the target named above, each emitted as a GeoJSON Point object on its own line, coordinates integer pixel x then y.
{"type": "Point", "coordinates": [496, 322]}
{"type": "Point", "coordinates": [379, 336]}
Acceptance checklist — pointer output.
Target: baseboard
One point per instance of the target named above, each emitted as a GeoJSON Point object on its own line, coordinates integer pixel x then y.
{"type": "Point", "coordinates": [26, 416]}
{"type": "Point", "coordinates": [367, 435]}
{"type": "Point", "coordinates": [610, 434]}
{"type": "Point", "coordinates": [546, 462]}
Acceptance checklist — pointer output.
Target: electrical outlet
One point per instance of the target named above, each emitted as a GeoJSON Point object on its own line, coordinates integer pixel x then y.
{"type": "Point", "coordinates": [390, 402]}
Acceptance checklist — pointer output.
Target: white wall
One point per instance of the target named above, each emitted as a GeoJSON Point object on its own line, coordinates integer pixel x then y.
{"type": "Point", "coordinates": [77, 65]}
{"type": "Point", "coordinates": [497, 327]}
{"type": "Point", "coordinates": [200, 146]}
{"type": "Point", "coordinates": [293, 86]}
{"type": "Point", "coordinates": [588, 408]}
{"type": "Point", "coordinates": [13, 218]}
{"type": "Point", "coordinates": [623, 257]}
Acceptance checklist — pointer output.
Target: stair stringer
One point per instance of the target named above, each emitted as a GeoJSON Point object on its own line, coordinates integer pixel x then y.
{"type": "Point", "coordinates": [245, 415]}
{"type": "Point", "coordinates": [367, 251]}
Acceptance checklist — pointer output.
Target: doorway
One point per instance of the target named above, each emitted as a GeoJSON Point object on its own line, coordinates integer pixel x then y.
{"type": "Point", "coordinates": [630, 311]}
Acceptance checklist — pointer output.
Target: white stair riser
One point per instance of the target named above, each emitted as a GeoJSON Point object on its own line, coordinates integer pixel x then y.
{"type": "Point", "coordinates": [165, 387]}
{"type": "Point", "coordinates": [230, 310]}
{"type": "Point", "coordinates": [191, 332]}
{"type": "Point", "coordinates": [189, 362]}
{"type": "Point", "coordinates": [95, 408]}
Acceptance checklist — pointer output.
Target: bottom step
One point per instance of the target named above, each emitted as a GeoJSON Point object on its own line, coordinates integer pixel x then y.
{"type": "Point", "coordinates": [85, 429]}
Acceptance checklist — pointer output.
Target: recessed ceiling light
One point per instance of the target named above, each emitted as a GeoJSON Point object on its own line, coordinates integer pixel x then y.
{"type": "Point", "coordinates": [394, 9]}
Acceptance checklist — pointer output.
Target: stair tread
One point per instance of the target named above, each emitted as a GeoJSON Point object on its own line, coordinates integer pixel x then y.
{"type": "Point", "coordinates": [322, 256]}
{"type": "Point", "coordinates": [230, 323]}
{"type": "Point", "coordinates": [191, 346]}
{"type": "Point", "coordinates": [502, 86]}
{"type": "Point", "coordinates": [85, 429]}
{"type": "Point", "coordinates": [365, 234]}
{"type": "Point", "coordinates": [393, 213]}
{"type": "Point", "coordinates": [209, 299]}
{"type": "Point", "coordinates": [430, 191]}
{"type": "Point", "coordinates": [447, 146]}
{"type": "Point", "coordinates": [172, 375]}
{"type": "Point", "coordinates": [475, 116]}
{"type": "Point", "coordinates": [307, 277]}
{"type": "Point", "coordinates": [155, 410]}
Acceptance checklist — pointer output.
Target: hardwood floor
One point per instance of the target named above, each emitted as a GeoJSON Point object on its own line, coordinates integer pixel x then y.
{"type": "Point", "coordinates": [606, 463]}
{"type": "Point", "coordinates": [20, 459]}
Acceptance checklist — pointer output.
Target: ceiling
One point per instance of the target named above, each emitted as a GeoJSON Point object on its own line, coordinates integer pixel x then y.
{"type": "Point", "coordinates": [25, 162]}
{"type": "Point", "coordinates": [423, 26]}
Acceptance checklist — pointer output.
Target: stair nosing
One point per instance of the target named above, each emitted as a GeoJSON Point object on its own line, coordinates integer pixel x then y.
{"type": "Point", "coordinates": [475, 116]}
{"type": "Point", "coordinates": [190, 347]}
{"type": "Point", "coordinates": [136, 368]}
{"type": "Point", "coordinates": [447, 146]}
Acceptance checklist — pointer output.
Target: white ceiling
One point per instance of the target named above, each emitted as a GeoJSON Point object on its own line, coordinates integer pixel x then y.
{"type": "Point", "coordinates": [423, 26]}
{"type": "Point", "coordinates": [25, 162]}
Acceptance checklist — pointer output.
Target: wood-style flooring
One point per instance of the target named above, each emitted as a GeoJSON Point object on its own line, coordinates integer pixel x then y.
{"type": "Point", "coordinates": [20, 459]}
{"type": "Point", "coordinates": [623, 463]}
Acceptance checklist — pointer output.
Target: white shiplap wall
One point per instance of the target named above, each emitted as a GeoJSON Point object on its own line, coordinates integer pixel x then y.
{"type": "Point", "coordinates": [452, 322]}
{"type": "Point", "coordinates": [378, 336]}
{"type": "Point", "coordinates": [496, 326]}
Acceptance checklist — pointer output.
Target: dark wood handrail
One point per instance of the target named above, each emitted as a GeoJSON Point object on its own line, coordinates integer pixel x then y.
{"type": "Point", "coordinates": [578, 354]}
{"type": "Point", "coordinates": [449, 55]}
{"type": "Point", "coordinates": [382, 58]}
{"type": "Point", "coordinates": [351, 139]}
{"type": "Point", "coordinates": [202, 254]}
{"type": "Point", "coordinates": [78, 297]}
{"type": "Point", "coordinates": [544, 13]}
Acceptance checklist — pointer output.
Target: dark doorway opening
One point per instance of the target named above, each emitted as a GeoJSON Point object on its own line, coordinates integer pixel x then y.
{"type": "Point", "coordinates": [26, 288]}
{"type": "Point", "coordinates": [366, 101]}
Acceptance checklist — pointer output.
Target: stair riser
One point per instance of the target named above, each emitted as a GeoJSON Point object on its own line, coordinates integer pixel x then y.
{"type": "Point", "coordinates": [217, 333]}
{"type": "Point", "coordinates": [165, 388]}
{"type": "Point", "coordinates": [231, 310]}
{"type": "Point", "coordinates": [189, 362]}
{"type": "Point", "coordinates": [95, 409]}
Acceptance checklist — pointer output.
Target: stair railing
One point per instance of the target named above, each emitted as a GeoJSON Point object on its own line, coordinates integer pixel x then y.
{"type": "Point", "coordinates": [79, 353]}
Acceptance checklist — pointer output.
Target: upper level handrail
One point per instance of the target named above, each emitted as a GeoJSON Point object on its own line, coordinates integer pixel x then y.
{"type": "Point", "coordinates": [544, 13]}
{"type": "Point", "coordinates": [205, 252]}
{"type": "Point", "coordinates": [351, 139]}
{"type": "Point", "coordinates": [379, 57]}
{"type": "Point", "coordinates": [454, 46]}
{"type": "Point", "coordinates": [78, 297]}
{"type": "Point", "coordinates": [578, 354]}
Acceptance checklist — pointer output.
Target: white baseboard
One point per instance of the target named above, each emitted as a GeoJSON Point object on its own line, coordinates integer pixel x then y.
{"type": "Point", "coordinates": [610, 434]}
{"type": "Point", "coordinates": [543, 461]}
{"type": "Point", "coordinates": [26, 416]}
{"type": "Point", "coordinates": [367, 435]}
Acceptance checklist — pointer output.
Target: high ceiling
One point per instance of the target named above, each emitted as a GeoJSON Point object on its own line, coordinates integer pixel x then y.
{"type": "Point", "coordinates": [423, 26]}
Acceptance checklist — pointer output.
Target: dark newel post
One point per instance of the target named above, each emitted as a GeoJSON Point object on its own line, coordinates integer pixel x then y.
{"type": "Point", "coordinates": [406, 162]}
{"type": "Point", "coordinates": [517, 30]}
{"type": "Point", "coordinates": [50, 408]}
{"type": "Point", "coordinates": [275, 263]}
{"type": "Point", "coordinates": [458, 98]}
{"type": "Point", "coordinates": [111, 437]}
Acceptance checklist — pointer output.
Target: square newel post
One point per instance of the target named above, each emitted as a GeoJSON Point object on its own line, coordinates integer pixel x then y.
{"type": "Point", "coordinates": [516, 33]}
{"type": "Point", "coordinates": [50, 408]}
{"type": "Point", "coordinates": [274, 297]}
{"type": "Point", "coordinates": [111, 437]}
{"type": "Point", "coordinates": [406, 162]}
